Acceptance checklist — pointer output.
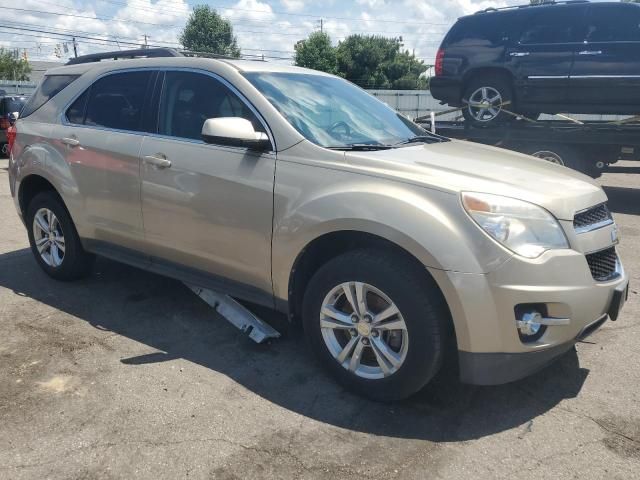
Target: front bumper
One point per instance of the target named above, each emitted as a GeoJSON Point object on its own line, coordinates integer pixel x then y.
{"type": "Point", "coordinates": [490, 349]}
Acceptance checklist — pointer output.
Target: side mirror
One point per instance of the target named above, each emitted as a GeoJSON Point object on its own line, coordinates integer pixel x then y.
{"type": "Point", "coordinates": [235, 132]}
{"type": "Point", "coordinates": [13, 117]}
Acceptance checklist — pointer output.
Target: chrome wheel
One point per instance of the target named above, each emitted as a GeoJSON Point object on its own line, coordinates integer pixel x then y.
{"type": "Point", "coordinates": [48, 237]}
{"type": "Point", "coordinates": [549, 157]}
{"type": "Point", "coordinates": [364, 330]}
{"type": "Point", "coordinates": [485, 104]}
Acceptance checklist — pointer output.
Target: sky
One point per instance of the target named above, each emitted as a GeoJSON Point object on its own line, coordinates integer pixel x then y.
{"type": "Point", "coordinates": [263, 27]}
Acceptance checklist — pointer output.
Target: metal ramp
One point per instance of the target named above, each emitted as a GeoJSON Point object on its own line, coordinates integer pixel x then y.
{"type": "Point", "coordinates": [236, 314]}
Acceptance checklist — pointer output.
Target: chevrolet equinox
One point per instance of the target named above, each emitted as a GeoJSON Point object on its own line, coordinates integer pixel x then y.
{"type": "Point", "coordinates": [297, 190]}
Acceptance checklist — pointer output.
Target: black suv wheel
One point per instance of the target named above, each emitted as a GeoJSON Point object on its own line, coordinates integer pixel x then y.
{"type": "Point", "coordinates": [485, 99]}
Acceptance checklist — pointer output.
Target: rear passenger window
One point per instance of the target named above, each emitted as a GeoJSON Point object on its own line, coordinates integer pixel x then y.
{"type": "Point", "coordinates": [51, 85]}
{"type": "Point", "coordinates": [553, 25]}
{"type": "Point", "coordinates": [116, 101]}
{"type": "Point", "coordinates": [618, 23]}
{"type": "Point", "coordinates": [189, 99]}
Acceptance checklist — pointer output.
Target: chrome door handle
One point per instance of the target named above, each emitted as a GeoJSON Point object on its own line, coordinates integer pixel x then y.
{"type": "Point", "coordinates": [520, 54]}
{"type": "Point", "coordinates": [71, 142]}
{"type": "Point", "coordinates": [157, 161]}
{"type": "Point", "coordinates": [590, 52]}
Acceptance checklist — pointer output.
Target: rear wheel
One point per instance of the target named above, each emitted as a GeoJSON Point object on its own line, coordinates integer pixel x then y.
{"type": "Point", "coordinates": [54, 240]}
{"type": "Point", "coordinates": [485, 99]}
{"type": "Point", "coordinates": [376, 322]}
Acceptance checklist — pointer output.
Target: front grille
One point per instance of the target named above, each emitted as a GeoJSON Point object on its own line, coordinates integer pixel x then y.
{"type": "Point", "coordinates": [592, 218]}
{"type": "Point", "coordinates": [603, 264]}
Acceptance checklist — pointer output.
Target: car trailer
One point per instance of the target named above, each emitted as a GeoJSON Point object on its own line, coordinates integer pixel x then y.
{"type": "Point", "coordinates": [586, 146]}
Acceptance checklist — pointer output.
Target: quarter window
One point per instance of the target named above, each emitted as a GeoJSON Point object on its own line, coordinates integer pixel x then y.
{"type": "Point", "coordinates": [189, 99]}
{"type": "Point", "coordinates": [51, 85]}
{"type": "Point", "coordinates": [116, 101]}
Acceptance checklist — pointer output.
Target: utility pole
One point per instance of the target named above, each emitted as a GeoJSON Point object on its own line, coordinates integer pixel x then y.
{"type": "Point", "coordinates": [321, 21]}
{"type": "Point", "coordinates": [146, 44]}
{"type": "Point", "coordinates": [75, 47]}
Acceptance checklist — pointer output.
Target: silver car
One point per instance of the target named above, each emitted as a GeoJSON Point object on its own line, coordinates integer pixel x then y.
{"type": "Point", "coordinates": [297, 190]}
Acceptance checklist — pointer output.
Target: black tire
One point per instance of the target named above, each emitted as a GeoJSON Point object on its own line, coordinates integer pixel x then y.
{"type": "Point", "coordinates": [76, 262]}
{"type": "Point", "coordinates": [4, 150]}
{"type": "Point", "coordinates": [566, 155]}
{"type": "Point", "coordinates": [498, 83]}
{"type": "Point", "coordinates": [421, 305]}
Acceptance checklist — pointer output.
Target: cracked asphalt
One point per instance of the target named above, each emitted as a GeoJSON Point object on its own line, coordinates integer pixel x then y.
{"type": "Point", "coordinates": [130, 375]}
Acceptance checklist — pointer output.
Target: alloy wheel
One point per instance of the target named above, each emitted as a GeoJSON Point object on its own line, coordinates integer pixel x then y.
{"type": "Point", "coordinates": [485, 104]}
{"type": "Point", "coordinates": [549, 157]}
{"type": "Point", "coordinates": [49, 237]}
{"type": "Point", "coordinates": [364, 330]}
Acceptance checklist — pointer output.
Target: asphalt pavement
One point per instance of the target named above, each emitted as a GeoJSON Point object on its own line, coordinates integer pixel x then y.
{"type": "Point", "coordinates": [130, 375]}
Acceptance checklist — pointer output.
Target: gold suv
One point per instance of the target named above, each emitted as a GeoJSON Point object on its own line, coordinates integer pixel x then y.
{"type": "Point", "coordinates": [297, 190]}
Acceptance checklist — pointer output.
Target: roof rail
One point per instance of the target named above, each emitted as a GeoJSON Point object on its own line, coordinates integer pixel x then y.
{"type": "Point", "coordinates": [137, 53]}
{"type": "Point", "coordinates": [153, 53]}
{"type": "Point", "coordinates": [541, 4]}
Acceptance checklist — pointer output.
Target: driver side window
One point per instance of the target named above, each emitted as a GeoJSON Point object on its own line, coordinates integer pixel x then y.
{"type": "Point", "coordinates": [189, 99]}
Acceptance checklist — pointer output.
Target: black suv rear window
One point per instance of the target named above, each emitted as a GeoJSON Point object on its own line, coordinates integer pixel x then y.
{"type": "Point", "coordinates": [482, 29]}
{"type": "Point", "coordinates": [49, 88]}
{"type": "Point", "coordinates": [11, 104]}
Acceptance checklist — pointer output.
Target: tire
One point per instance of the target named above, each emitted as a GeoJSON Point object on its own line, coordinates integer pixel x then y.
{"type": "Point", "coordinates": [419, 347]}
{"type": "Point", "coordinates": [494, 88]}
{"type": "Point", "coordinates": [4, 150]}
{"type": "Point", "coordinates": [567, 156]}
{"type": "Point", "coordinates": [63, 260]}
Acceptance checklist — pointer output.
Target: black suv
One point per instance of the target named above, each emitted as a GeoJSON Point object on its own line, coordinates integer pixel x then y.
{"type": "Point", "coordinates": [577, 57]}
{"type": "Point", "coordinates": [8, 104]}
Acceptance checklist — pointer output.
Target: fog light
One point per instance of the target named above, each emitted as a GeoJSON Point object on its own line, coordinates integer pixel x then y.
{"type": "Point", "coordinates": [530, 324]}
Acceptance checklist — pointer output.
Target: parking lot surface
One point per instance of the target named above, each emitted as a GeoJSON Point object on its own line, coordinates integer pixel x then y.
{"type": "Point", "coordinates": [130, 375]}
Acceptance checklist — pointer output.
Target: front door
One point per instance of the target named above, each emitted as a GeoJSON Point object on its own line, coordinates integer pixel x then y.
{"type": "Point", "coordinates": [606, 71]}
{"type": "Point", "coordinates": [207, 208]}
{"type": "Point", "coordinates": [543, 56]}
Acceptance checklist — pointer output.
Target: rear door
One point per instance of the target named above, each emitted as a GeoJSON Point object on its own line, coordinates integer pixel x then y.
{"type": "Point", "coordinates": [100, 139]}
{"type": "Point", "coordinates": [543, 55]}
{"type": "Point", "coordinates": [607, 66]}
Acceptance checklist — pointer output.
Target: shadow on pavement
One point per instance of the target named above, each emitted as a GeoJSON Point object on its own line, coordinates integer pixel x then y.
{"type": "Point", "coordinates": [166, 316]}
{"type": "Point", "coordinates": [623, 200]}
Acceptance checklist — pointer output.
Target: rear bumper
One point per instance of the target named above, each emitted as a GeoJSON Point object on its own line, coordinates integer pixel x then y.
{"type": "Point", "coordinates": [447, 90]}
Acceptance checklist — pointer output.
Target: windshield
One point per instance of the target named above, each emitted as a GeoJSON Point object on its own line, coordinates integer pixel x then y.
{"type": "Point", "coordinates": [332, 112]}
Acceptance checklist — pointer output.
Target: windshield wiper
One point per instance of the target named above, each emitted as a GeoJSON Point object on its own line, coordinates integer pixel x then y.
{"type": "Point", "coordinates": [362, 147]}
{"type": "Point", "coordinates": [422, 139]}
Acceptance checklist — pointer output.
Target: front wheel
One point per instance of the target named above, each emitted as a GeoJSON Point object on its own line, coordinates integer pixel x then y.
{"type": "Point", "coordinates": [377, 322]}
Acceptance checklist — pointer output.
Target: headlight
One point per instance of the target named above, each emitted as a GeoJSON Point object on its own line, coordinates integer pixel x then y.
{"type": "Point", "coordinates": [525, 228]}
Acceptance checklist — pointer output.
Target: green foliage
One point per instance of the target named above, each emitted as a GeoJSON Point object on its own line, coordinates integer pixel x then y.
{"type": "Point", "coordinates": [316, 52]}
{"type": "Point", "coordinates": [207, 31]}
{"type": "Point", "coordinates": [366, 60]}
{"type": "Point", "coordinates": [12, 68]}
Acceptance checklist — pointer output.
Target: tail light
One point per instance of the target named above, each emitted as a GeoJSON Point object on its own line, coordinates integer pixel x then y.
{"type": "Point", "coordinates": [440, 62]}
{"type": "Point", "coordinates": [4, 123]}
{"type": "Point", "coordinates": [12, 131]}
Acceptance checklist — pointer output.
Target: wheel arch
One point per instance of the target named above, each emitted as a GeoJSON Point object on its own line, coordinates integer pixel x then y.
{"type": "Point", "coordinates": [487, 71]}
{"type": "Point", "coordinates": [32, 185]}
{"type": "Point", "coordinates": [325, 247]}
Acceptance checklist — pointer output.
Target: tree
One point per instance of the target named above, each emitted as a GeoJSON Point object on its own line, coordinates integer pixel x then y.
{"type": "Point", "coordinates": [12, 68]}
{"type": "Point", "coordinates": [378, 62]}
{"type": "Point", "coordinates": [316, 52]}
{"type": "Point", "coordinates": [207, 31]}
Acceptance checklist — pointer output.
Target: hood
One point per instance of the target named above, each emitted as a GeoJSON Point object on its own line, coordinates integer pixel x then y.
{"type": "Point", "coordinates": [458, 166]}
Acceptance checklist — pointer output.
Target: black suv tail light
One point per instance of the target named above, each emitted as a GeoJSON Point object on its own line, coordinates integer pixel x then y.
{"type": "Point", "coordinates": [440, 62]}
{"type": "Point", "coordinates": [4, 123]}
{"type": "Point", "coordinates": [12, 131]}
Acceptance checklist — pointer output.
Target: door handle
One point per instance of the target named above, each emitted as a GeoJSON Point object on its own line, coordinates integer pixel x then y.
{"type": "Point", "coordinates": [158, 160]}
{"type": "Point", "coordinates": [71, 142]}
{"type": "Point", "coordinates": [520, 54]}
{"type": "Point", "coordinates": [590, 52]}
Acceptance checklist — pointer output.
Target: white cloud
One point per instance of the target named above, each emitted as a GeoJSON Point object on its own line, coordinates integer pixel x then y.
{"type": "Point", "coordinates": [292, 5]}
